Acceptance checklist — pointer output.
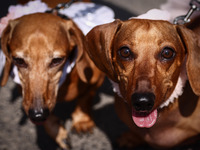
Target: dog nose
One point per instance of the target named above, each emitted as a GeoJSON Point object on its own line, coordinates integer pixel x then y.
{"type": "Point", "coordinates": [38, 115]}
{"type": "Point", "coordinates": [143, 102]}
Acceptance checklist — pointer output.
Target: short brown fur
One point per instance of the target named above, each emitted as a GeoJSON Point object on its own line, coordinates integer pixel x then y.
{"type": "Point", "coordinates": [146, 71]}
{"type": "Point", "coordinates": [38, 39]}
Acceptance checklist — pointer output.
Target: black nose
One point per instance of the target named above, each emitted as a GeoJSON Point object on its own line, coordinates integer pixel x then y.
{"type": "Point", "coordinates": [38, 115]}
{"type": "Point", "coordinates": [143, 102]}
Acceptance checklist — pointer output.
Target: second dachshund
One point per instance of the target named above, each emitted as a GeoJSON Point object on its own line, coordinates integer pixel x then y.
{"type": "Point", "coordinates": [154, 67]}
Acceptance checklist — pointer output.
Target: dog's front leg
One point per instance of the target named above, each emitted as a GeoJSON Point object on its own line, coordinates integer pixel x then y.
{"type": "Point", "coordinates": [57, 131]}
{"type": "Point", "coordinates": [82, 121]}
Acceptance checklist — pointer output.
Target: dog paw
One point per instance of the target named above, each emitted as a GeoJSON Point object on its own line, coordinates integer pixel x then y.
{"type": "Point", "coordinates": [84, 126]}
{"type": "Point", "coordinates": [83, 123]}
{"type": "Point", "coordinates": [62, 139]}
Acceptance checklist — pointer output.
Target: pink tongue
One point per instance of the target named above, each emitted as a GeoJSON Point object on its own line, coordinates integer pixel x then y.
{"type": "Point", "coordinates": [147, 121]}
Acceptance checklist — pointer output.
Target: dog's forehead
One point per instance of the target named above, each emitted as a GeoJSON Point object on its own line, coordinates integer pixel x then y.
{"type": "Point", "coordinates": [41, 36]}
{"type": "Point", "coordinates": [38, 43]}
{"type": "Point", "coordinates": [44, 23]}
{"type": "Point", "coordinates": [41, 19]}
{"type": "Point", "coordinates": [150, 30]}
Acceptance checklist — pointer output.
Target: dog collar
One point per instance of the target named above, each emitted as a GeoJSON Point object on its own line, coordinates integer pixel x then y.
{"type": "Point", "coordinates": [69, 65]}
{"type": "Point", "coordinates": [178, 91]}
{"type": "Point", "coordinates": [14, 72]}
{"type": "Point", "coordinates": [2, 62]}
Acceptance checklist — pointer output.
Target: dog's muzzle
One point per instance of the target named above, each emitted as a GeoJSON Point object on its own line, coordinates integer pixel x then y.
{"type": "Point", "coordinates": [143, 114]}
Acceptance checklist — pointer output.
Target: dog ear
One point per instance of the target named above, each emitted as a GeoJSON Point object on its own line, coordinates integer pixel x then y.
{"type": "Point", "coordinates": [100, 40]}
{"type": "Point", "coordinates": [5, 39]}
{"type": "Point", "coordinates": [192, 46]}
{"type": "Point", "coordinates": [83, 62]}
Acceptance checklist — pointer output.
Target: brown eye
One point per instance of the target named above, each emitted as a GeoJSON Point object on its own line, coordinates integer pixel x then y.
{"type": "Point", "coordinates": [56, 62]}
{"type": "Point", "coordinates": [125, 53]}
{"type": "Point", "coordinates": [19, 62]}
{"type": "Point", "coordinates": [167, 53]}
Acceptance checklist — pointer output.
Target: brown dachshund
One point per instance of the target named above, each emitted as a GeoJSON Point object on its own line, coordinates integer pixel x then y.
{"type": "Point", "coordinates": [149, 63]}
{"type": "Point", "coordinates": [44, 47]}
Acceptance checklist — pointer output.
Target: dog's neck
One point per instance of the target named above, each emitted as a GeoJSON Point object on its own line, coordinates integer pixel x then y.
{"type": "Point", "coordinates": [178, 91]}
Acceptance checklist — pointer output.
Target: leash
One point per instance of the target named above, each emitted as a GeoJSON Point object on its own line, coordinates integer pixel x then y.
{"type": "Point", "coordinates": [71, 60]}
{"type": "Point", "coordinates": [60, 6]}
{"type": "Point", "coordinates": [194, 6]}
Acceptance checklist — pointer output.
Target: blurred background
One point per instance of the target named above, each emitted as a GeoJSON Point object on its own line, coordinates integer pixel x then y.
{"type": "Point", "coordinates": [18, 133]}
{"type": "Point", "coordinates": [131, 7]}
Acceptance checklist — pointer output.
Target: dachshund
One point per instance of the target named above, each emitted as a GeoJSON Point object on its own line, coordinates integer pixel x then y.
{"type": "Point", "coordinates": [154, 67]}
{"type": "Point", "coordinates": [48, 53]}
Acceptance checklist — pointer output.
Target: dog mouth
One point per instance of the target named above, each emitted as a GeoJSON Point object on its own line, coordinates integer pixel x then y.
{"type": "Point", "coordinates": [144, 119]}
{"type": "Point", "coordinates": [143, 114]}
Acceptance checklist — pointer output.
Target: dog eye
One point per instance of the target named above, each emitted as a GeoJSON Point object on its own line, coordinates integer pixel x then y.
{"type": "Point", "coordinates": [125, 53]}
{"type": "Point", "coordinates": [20, 62]}
{"type": "Point", "coordinates": [56, 61]}
{"type": "Point", "coordinates": [167, 53]}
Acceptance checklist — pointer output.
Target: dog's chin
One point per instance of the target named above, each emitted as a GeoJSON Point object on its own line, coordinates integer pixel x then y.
{"type": "Point", "coordinates": [144, 119]}
{"type": "Point", "coordinates": [38, 123]}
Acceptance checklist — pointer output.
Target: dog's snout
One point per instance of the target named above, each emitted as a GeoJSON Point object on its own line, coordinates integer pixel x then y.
{"type": "Point", "coordinates": [143, 102]}
{"type": "Point", "coordinates": [38, 115]}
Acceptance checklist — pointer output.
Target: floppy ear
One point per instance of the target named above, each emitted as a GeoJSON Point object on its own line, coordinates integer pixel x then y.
{"type": "Point", "coordinates": [99, 42]}
{"type": "Point", "coordinates": [83, 63]}
{"type": "Point", "coordinates": [5, 39]}
{"type": "Point", "coordinates": [191, 43]}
